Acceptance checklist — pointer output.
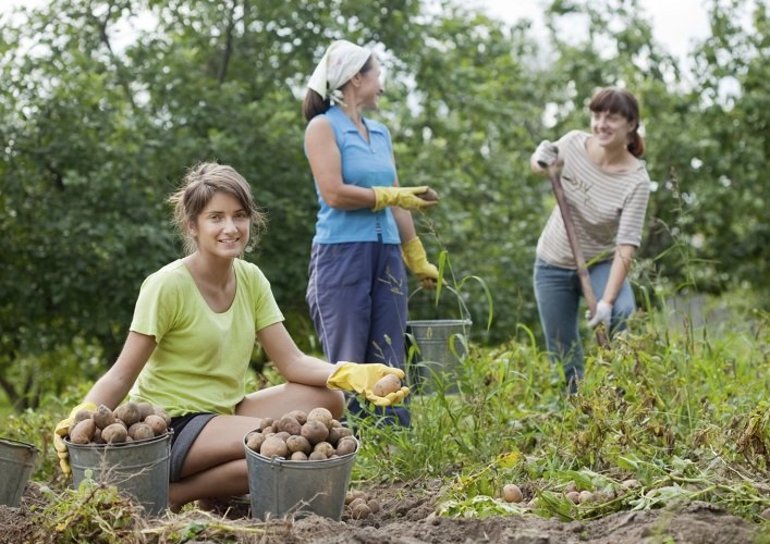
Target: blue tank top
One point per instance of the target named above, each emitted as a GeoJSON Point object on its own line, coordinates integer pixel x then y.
{"type": "Point", "coordinates": [365, 164]}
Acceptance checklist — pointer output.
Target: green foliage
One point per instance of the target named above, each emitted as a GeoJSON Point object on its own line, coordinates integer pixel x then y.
{"type": "Point", "coordinates": [93, 514]}
{"type": "Point", "coordinates": [98, 131]}
{"type": "Point", "coordinates": [680, 410]}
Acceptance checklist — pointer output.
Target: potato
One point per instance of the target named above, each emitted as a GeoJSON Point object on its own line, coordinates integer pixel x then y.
{"type": "Point", "coordinates": [114, 434]}
{"type": "Point", "coordinates": [765, 513]}
{"type": "Point", "coordinates": [320, 414]}
{"type": "Point", "coordinates": [254, 441]}
{"type": "Point", "coordinates": [586, 497]}
{"type": "Point", "coordinates": [145, 409]}
{"type": "Point", "coordinates": [156, 423]}
{"type": "Point", "coordinates": [573, 496]}
{"type": "Point", "coordinates": [80, 415]}
{"type": "Point", "coordinates": [374, 505]}
{"type": "Point", "coordinates": [317, 456]}
{"type": "Point", "coordinates": [289, 424]}
{"type": "Point", "coordinates": [336, 433]}
{"type": "Point", "coordinates": [390, 383]}
{"type": "Point", "coordinates": [97, 439]}
{"type": "Point", "coordinates": [83, 432]}
{"type": "Point", "coordinates": [353, 494]}
{"type": "Point", "coordinates": [429, 195]}
{"type": "Point", "coordinates": [274, 447]}
{"type": "Point", "coordinates": [315, 431]}
{"type": "Point", "coordinates": [512, 493]}
{"type": "Point", "coordinates": [103, 417]}
{"type": "Point", "coordinates": [297, 443]}
{"type": "Point", "coordinates": [264, 423]}
{"type": "Point", "coordinates": [630, 484]}
{"type": "Point", "coordinates": [162, 413]}
{"type": "Point", "coordinates": [346, 446]}
{"type": "Point", "coordinates": [325, 448]}
{"type": "Point", "coordinates": [360, 510]}
{"type": "Point", "coordinates": [299, 415]}
{"type": "Point", "coordinates": [128, 413]}
{"type": "Point", "coordinates": [140, 431]}
{"type": "Point", "coordinates": [298, 456]}
{"type": "Point", "coordinates": [283, 435]}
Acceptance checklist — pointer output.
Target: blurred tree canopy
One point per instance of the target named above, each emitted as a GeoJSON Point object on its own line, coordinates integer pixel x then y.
{"type": "Point", "coordinates": [105, 103]}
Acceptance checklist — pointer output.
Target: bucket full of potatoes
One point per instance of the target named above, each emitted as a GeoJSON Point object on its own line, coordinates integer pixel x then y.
{"type": "Point", "coordinates": [128, 448]}
{"type": "Point", "coordinates": [299, 464]}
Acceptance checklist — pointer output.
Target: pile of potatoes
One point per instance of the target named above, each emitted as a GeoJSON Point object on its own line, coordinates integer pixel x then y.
{"type": "Point", "coordinates": [300, 436]}
{"type": "Point", "coordinates": [359, 505]}
{"type": "Point", "coordinates": [129, 422]}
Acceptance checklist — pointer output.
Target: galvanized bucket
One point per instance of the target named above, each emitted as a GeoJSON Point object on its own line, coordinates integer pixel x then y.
{"type": "Point", "coordinates": [139, 468]}
{"type": "Point", "coordinates": [441, 348]}
{"type": "Point", "coordinates": [278, 487]}
{"type": "Point", "coordinates": [17, 460]}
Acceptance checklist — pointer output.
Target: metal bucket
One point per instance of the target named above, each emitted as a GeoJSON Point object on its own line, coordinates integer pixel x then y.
{"type": "Point", "coordinates": [17, 460]}
{"type": "Point", "coordinates": [441, 348]}
{"type": "Point", "coordinates": [139, 468]}
{"type": "Point", "coordinates": [278, 487]}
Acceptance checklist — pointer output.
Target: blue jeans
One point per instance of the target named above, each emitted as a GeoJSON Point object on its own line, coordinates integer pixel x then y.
{"type": "Point", "coordinates": [558, 292]}
{"type": "Point", "coordinates": [357, 295]}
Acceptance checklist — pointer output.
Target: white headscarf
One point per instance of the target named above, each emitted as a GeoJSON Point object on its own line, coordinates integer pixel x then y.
{"type": "Point", "coordinates": [339, 64]}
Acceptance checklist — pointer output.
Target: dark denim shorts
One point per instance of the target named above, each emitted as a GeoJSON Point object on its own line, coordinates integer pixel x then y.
{"type": "Point", "coordinates": [186, 430]}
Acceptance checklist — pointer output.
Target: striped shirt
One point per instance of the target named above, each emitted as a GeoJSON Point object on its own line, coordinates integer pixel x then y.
{"type": "Point", "coordinates": [607, 208]}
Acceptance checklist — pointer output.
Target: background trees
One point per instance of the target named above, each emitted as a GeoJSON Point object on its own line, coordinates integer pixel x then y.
{"type": "Point", "coordinates": [105, 103]}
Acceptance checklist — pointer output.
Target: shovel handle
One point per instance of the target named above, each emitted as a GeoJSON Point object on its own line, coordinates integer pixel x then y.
{"type": "Point", "coordinates": [554, 174]}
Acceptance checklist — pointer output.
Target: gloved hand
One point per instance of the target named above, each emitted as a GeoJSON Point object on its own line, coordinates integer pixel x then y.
{"type": "Point", "coordinates": [417, 262]}
{"type": "Point", "coordinates": [403, 197]}
{"type": "Point", "coordinates": [63, 429]}
{"type": "Point", "coordinates": [546, 154]}
{"type": "Point", "coordinates": [361, 379]}
{"type": "Point", "coordinates": [603, 315]}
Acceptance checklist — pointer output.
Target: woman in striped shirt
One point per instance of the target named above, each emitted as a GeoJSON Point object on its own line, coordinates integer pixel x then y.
{"type": "Point", "coordinates": [607, 188]}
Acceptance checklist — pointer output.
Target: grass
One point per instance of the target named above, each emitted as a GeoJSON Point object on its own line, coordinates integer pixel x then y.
{"type": "Point", "coordinates": [679, 407]}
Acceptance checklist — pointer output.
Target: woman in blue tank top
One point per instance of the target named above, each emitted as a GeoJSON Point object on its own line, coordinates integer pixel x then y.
{"type": "Point", "coordinates": [357, 289]}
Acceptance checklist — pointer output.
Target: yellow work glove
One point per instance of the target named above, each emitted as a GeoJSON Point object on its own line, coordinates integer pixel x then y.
{"type": "Point", "coordinates": [361, 379]}
{"type": "Point", "coordinates": [417, 262]}
{"type": "Point", "coordinates": [403, 197]}
{"type": "Point", "coordinates": [63, 429]}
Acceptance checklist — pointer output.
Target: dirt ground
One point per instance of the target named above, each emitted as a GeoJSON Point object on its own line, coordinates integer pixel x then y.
{"type": "Point", "coordinates": [407, 516]}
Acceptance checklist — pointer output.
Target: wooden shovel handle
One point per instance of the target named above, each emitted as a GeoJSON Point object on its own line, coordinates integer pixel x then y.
{"type": "Point", "coordinates": [554, 174]}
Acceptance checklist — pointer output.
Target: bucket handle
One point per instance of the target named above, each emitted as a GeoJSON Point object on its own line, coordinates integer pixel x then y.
{"type": "Point", "coordinates": [464, 313]}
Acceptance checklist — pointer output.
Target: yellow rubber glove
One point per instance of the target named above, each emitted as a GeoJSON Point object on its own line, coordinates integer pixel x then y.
{"type": "Point", "coordinates": [403, 197]}
{"type": "Point", "coordinates": [361, 379]}
{"type": "Point", "coordinates": [63, 429]}
{"type": "Point", "coordinates": [417, 262]}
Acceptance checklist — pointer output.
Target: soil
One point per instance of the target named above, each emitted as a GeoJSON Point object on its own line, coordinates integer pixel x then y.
{"type": "Point", "coordinates": [407, 516]}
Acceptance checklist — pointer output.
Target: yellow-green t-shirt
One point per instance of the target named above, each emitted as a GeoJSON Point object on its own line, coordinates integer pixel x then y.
{"type": "Point", "coordinates": [201, 358]}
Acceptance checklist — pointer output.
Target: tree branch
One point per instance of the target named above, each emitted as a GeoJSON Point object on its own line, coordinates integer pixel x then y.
{"type": "Point", "coordinates": [228, 50]}
{"type": "Point", "coordinates": [120, 69]}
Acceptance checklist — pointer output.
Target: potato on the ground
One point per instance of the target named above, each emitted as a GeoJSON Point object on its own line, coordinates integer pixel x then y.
{"type": "Point", "coordinates": [512, 493]}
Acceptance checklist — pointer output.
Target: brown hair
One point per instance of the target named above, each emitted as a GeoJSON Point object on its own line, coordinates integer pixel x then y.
{"type": "Point", "coordinates": [314, 104]}
{"type": "Point", "coordinates": [200, 184]}
{"type": "Point", "coordinates": [617, 100]}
